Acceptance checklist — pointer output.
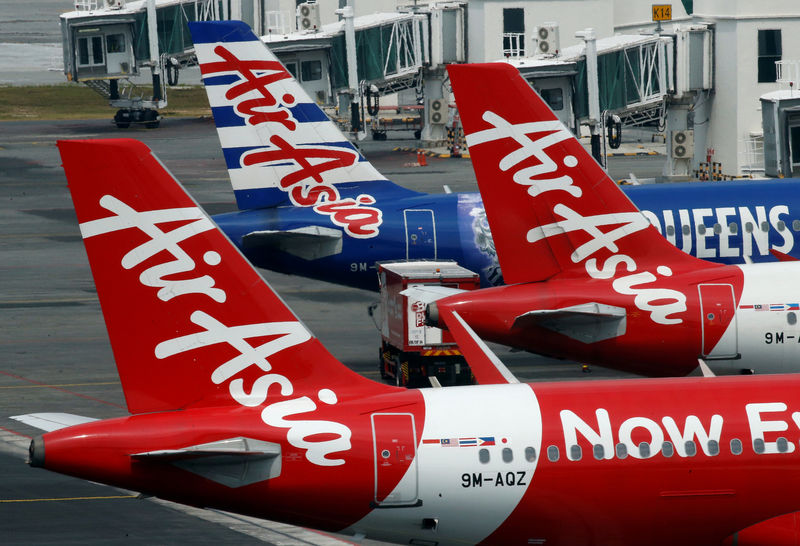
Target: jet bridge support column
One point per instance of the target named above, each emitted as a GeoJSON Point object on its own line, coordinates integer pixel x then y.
{"type": "Point", "coordinates": [590, 40]}
{"type": "Point", "coordinates": [155, 58]}
{"type": "Point", "coordinates": [434, 130]}
{"type": "Point", "coordinates": [349, 99]}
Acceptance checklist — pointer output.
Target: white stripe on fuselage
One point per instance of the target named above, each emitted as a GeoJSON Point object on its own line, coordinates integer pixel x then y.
{"type": "Point", "coordinates": [463, 413]}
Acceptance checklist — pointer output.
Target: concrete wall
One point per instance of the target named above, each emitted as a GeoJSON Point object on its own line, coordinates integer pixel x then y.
{"type": "Point", "coordinates": [485, 21]}
{"type": "Point", "coordinates": [736, 110]}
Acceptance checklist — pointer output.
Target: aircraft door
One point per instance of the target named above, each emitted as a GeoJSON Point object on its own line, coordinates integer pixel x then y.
{"type": "Point", "coordinates": [420, 227]}
{"type": "Point", "coordinates": [395, 449]}
{"type": "Point", "coordinates": [718, 312]}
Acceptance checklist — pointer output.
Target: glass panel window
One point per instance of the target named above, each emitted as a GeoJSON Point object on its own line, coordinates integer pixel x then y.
{"type": "Point", "coordinates": [554, 98]}
{"type": "Point", "coordinates": [769, 51]}
{"type": "Point", "coordinates": [292, 68]}
{"type": "Point", "coordinates": [83, 51]}
{"type": "Point", "coordinates": [310, 71]}
{"type": "Point", "coordinates": [115, 43]}
{"type": "Point", "coordinates": [97, 50]}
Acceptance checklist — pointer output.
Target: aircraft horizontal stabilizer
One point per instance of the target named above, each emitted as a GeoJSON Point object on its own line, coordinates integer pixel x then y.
{"type": "Point", "coordinates": [587, 322]}
{"type": "Point", "coordinates": [487, 368]}
{"type": "Point", "coordinates": [308, 243]}
{"type": "Point", "coordinates": [429, 293]}
{"type": "Point", "coordinates": [52, 421]}
{"type": "Point", "coordinates": [234, 462]}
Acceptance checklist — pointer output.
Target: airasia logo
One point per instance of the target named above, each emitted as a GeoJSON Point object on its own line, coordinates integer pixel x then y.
{"type": "Point", "coordinates": [299, 431]}
{"type": "Point", "coordinates": [663, 304]}
{"type": "Point", "coordinates": [306, 184]}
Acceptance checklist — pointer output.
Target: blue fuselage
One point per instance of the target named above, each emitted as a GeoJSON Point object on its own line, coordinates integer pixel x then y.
{"type": "Point", "coordinates": [727, 222]}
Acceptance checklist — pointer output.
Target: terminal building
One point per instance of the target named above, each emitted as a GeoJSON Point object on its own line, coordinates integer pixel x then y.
{"type": "Point", "coordinates": [603, 65]}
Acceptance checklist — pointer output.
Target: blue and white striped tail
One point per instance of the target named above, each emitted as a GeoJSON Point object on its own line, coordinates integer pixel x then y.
{"type": "Point", "coordinates": [279, 146]}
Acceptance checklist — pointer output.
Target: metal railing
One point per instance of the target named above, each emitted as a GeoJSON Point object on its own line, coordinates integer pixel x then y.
{"type": "Point", "coordinates": [513, 44]}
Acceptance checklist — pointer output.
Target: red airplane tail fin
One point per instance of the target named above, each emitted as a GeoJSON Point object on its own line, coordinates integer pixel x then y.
{"type": "Point", "coordinates": [191, 323]}
{"type": "Point", "coordinates": [550, 206]}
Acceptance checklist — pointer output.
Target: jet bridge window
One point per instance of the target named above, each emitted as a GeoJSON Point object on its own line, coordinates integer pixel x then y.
{"type": "Point", "coordinates": [115, 43]}
{"type": "Point", "coordinates": [554, 98]}
{"type": "Point", "coordinates": [90, 51]}
{"type": "Point", "coordinates": [292, 68]}
{"type": "Point", "coordinates": [310, 71]}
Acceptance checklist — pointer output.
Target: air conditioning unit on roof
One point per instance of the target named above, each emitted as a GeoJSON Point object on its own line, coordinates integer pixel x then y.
{"type": "Point", "coordinates": [547, 42]}
{"type": "Point", "coordinates": [308, 16]}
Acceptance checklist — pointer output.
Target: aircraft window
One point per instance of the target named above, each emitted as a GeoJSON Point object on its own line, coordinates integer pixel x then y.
{"type": "Point", "coordinates": [575, 453]}
{"type": "Point", "coordinates": [713, 447]}
{"type": "Point", "coordinates": [483, 456]}
{"type": "Point", "coordinates": [758, 445]}
{"type": "Point", "coordinates": [670, 230]}
{"type": "Point", "coordinates": [796, 225]}
{"type": "Point", "coordinates": [552, 453]}
{"type": "Point", "coordinates": [783, 445]}
{"type": "Point", "coordinates": [748, 227]}
{"type": "Point", "coordinates": [781, 225]}
{"type": "Point", "coordinates": [599, 451]}
{"type": "Point", "coordinates": [733, 227]}
{"type": "Point", "coordinates": [686, 229]}
{"type": "Point", "coordinates": [530, 454]}
{"type": "Point", "coordinates": [736, 446]}
{"type": "Point", "coordinates": [701, 229]}
{"type": "Point", "coordinates": [717, 229]}
{"type": "Point", "coordinates": [622, 451]}
{"type": "Point", "coordinates": [644, 450]}
{"type": "Point", "coordinates": [667, 449]}
{"type": "Point", "coordinates": [508, 455]}
{"type": "Point", "coordinates": [791, 318]}
{"type": "Point", "coordinates": [691, 449]}
{"type": "Point", "coordinates": [764, 226]}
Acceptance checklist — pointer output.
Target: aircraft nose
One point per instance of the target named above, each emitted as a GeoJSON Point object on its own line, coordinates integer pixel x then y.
{"type": "Point", "coordinates": [36, 452]}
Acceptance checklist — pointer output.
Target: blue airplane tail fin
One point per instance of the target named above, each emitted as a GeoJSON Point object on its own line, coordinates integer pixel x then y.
{"type": "Point", "coordinates": [279, 145]}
